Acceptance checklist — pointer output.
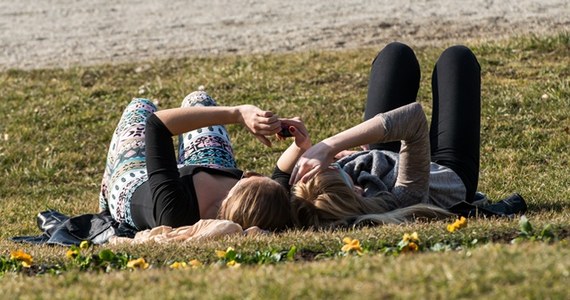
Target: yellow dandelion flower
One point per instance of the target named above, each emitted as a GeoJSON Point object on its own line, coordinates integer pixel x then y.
{"type": "Point", "coordinates": [462, 222]}
{"type": "Point", "coordinates": [411, 237]}
{"type": "Point", "coordinates": [351, 245]}
{"type": "Point", "coordinates": [195, 263]}
{"type": "Point", "coordinates": [233, 264]}
{"type": "Point", "coordinates": [179, 265]}
{"type": "Point", "coordinates": [220, 253]}
{"type": "Point", "coordinates": [414, 237]}
{"type": "Point", "coordinates": [138, 263]}
{"type": "Point", "coordinates": [72, 253]}
{"type": "Point", "coordinates": [26, 264]}
{"type": "Point", "coordinates": [84, 245]}
{"type": "Point", "coordinates": [23, 257]}
{"type": "Point", "coordinates": [459, 223]}
{"type": "Point", "coordinates": [413, 247]}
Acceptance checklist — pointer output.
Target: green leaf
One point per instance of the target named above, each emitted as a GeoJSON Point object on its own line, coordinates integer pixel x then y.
{"type": "Point", "coordinates": [525, 226]}
{"type": "Point", "coordinates": [546, 233]}
{"type": "Point", "coordinates": [291, 253]}
{"type": "Point", "coordinates": [231, 255]}
{"type": "Point", "coordinates": [106, 255]}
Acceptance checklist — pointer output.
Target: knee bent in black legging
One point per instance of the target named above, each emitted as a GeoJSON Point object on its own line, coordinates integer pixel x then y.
{"type": "Point", "coordinates": [394, 82]}
{"type": "Point", "coordinates": [456, 114]}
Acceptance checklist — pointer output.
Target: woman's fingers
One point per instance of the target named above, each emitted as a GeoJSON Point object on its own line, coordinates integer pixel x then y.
{"type": "Point", "coordinates": [303, 172]}
{"type": "Point", "coordinates": [343, 153]}
{"type": "Point", "coordinates": [293, 175]}
{"type": "Point", "coordinates": [263, 139]}
{"type": "Point", "coordinates": [267, 129]}
{"type": "Point", "coordinates": [311, 173]}
{"type": "Point", "coordinates": [266, 123]}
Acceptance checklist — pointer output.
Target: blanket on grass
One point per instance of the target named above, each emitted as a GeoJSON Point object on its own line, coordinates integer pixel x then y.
{"type": "Point", "coordinates": [203, 229]}
{"type": "Point", "coordinates": [59, 229]}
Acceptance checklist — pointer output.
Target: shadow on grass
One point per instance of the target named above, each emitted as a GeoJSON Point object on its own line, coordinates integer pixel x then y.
{"type": "Point", "coordinates": [549, 207]}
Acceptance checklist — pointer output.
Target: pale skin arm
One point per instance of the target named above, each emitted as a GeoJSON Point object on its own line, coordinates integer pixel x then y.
{"type": "Point", "coordinates": [259, 122]}
{"type": "Point", "coordinates": [322, 154]}
{"type": "Point", "coordinates": [407, 124]}
{"type": "Point", "coordinates": [301, 143]}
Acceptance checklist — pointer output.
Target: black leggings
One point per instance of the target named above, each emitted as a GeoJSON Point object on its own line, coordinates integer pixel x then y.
{"type": "Point", "coordinates": [456, 116]}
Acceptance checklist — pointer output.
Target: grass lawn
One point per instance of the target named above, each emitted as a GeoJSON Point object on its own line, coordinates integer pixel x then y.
{"type": "Point", "coordinates": [56, 125]}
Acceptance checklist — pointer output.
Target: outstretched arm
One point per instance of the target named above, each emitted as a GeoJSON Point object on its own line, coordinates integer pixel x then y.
{"type": "Point", "coordinates": [259, 122]}
{"type": "Point", "coordinates": [322, 154]}
{"type": "Point", "coordinates": [163, 174]}
{"type": "Point", "coordinates": [407, 124]}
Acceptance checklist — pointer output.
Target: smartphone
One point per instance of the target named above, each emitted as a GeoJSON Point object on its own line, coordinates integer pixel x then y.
{"type": "Point", "coordinates": [285, 132]}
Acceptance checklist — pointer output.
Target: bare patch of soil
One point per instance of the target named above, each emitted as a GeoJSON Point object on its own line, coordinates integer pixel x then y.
{"type": "Point", "coordinates": [62, 33]}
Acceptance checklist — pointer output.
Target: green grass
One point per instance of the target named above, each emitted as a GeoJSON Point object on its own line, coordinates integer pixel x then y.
{"type": "Point", "coordinates": [56, 125]}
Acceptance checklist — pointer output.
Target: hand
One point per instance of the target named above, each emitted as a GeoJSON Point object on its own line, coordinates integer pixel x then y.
{"type": "Point", "coordinates": [259, 122]}
{"type": "Point", "coordinates": [315, 159]}
{"type": "Point", "coordinates": [300, 133]}
{"type": "Point", "coordinates": [254, 231]}
{"type": "Point", "coordinates": [345, 153]}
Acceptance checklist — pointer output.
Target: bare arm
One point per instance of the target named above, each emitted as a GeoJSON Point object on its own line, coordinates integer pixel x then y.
{"type": "Point", "coordinates": [407, 123]}
{"type": "Point", "coordinates": [322, 154]}
{"type": "Point", "coordinates": [301, 143]}
{"type": "Point", "coordinates": [258, 121]}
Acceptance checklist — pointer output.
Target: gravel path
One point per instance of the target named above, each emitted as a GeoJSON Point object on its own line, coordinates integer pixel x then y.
{"type": "Point", "coordinates": [61, 33]}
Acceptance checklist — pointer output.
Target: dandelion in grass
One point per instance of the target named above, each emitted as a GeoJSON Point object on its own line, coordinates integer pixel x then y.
{"type": "Point", "coordinates": [409, 243]}
{"type": "Point", "coordinates": [138, 263]}
{"type": "Point", "coordinates": [411, 247]}
{"type": "Point", "coordinates": [22, 257]}
{"type": "Point", "coordinates": [223, 254]}
{"type": "Point", "coordinates": [195, 263]}
{"type": "Point", "coordinates": [220, 253]}
{"type": "Point", "coordinates": [72, 253]}
{"type": "Point", "coordinates": [411, 237]}
{"type": "Point", "coordinates": [458, 224]}
{"type": "Point", "coordinates": [351, 245]}
{"type": "Point", "coordinates": [179, 265]}
{"type": "Point", "coordinates": [233, 264]}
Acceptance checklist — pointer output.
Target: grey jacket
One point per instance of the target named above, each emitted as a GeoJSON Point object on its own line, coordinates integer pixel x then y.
{"type": "Point", "coordinates": [376, 171]}
{"type": "Point", "coordinates": [408, 175]}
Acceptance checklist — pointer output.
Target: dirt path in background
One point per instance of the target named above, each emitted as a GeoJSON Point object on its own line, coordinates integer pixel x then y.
{"type": "Point", "coordinates": [61, 33]}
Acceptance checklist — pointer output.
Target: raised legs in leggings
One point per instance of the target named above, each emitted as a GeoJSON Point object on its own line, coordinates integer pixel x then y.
{"type": "Point", "coordinates": [394, 82]}
{"type": "Point", "coordinates": [209, 146]}
{"type": "Point", "coordinates": [456, 117]}
{"type": "Point", "coordinates": [125, 169]}
{"type": "Point", "coordinates": [456, 86]}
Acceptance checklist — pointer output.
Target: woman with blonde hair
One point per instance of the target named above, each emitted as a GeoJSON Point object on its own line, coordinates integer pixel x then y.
{"type": "Point", "coordinates": [407, 170]}
{"type": "Point", "coordinates": [146, 185]}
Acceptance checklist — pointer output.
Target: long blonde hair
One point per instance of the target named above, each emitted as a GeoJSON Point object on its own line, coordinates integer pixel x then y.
{"type": "Point", "coordinates": [263, 203]}
{"type": "Point", "coordinates": [325, 200]}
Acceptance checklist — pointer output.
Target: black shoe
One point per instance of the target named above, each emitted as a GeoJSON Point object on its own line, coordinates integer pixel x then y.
{"type": "Point", "coordinates": [512, 205]}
